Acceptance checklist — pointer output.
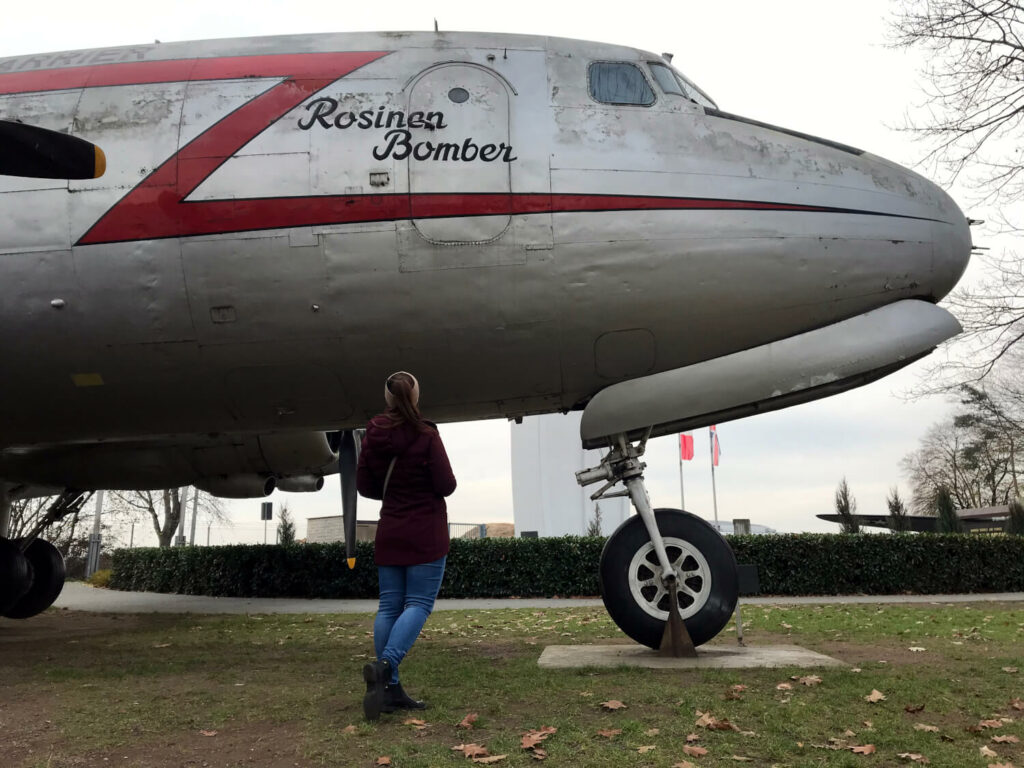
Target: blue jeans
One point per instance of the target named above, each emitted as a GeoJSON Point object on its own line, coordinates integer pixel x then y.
{"type": "Point", "coordinates": [407, 594]}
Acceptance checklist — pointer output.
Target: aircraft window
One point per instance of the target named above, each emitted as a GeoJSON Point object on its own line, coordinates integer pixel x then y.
{"type": "Point", "coordinates": [693, 91]}
{"type": "Point", "coordinates": [666, 80]}
{"type": "Point", "coordinates": [458, 95]}
{"type": "Point", "coordinates": [615, 82]}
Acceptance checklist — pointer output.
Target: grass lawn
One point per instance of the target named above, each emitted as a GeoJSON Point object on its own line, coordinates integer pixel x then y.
{"type": "Point", "coordinates": [85, 690]}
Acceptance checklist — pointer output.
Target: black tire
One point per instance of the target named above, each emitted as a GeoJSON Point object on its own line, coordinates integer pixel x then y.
{"type": "Point", "coordinates": [47, 566]}
{"type": "Point", "coordinates": [718, 590]}
{"type": "Point", "coordinates": [15, 575]}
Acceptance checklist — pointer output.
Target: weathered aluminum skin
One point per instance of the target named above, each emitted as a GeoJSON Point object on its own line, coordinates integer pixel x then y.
{"type": "Point", "coordinates": [175, 334]}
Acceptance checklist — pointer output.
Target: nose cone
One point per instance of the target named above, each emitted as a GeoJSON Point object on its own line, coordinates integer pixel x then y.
{"type": "Point", "coordinates": [951, 250]}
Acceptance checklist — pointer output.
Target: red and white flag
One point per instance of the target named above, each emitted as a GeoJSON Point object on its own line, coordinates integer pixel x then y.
{"type": "Point", "coordinates": [716, 449]}
{"type": "Point", "coordinates": [685, 446]}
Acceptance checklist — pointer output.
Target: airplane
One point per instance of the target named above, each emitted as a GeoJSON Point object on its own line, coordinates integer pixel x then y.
{"type": "Point", "coordinates": [529, 224]}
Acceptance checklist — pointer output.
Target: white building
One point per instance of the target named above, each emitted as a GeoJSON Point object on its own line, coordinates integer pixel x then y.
{"type": "Point", "coordinates": [546, 455]}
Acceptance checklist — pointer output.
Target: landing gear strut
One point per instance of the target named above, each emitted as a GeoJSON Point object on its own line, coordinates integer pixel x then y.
{"type": "Point", "coordinates": [668, 579]}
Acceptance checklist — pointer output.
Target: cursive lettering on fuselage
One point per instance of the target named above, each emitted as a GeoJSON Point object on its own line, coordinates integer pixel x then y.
{"type": "Point", "coordinates": [323, 112]}
{"type": "Point", "coordinates": [398, 143]}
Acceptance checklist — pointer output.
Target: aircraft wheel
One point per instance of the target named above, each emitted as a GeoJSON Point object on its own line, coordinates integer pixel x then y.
{"type": "Point", "coordinates": [47, 568]}
{"type": "Point", "coordinates": [708, 585]}
{"type": "Point", "coordinates": [15, 575]}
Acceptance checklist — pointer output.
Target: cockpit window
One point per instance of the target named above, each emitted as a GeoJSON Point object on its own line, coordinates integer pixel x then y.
{"type": "Point", "coordinates": [666, 80]}
{"type": "Point", "coordinates": [619, 82]}
{"type": "Point", "coordinates": [693, 91]}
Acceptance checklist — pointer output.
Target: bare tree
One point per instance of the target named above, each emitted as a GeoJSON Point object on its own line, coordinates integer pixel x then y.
{"type": "Point", "coordinates": [945, 511]}
{"type": "Point", "coordinates": [846, 508]}
{"type": "Point", "coordinates": [973, 123]}
{"type": "Point", "coordinates": [975, 95]}
{"type": "Point", "coordinates": [164, 508]}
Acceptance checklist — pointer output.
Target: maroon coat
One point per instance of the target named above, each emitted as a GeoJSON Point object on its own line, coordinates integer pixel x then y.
{"type": "Point", "coordinates": [413, 526]}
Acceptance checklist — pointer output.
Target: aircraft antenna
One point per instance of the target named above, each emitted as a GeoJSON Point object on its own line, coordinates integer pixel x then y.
{"type": "Point", "coordinates": [435, 25]}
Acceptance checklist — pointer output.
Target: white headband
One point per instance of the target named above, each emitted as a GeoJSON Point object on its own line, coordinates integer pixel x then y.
{"type": "Point", "coordinates": [389, 398]}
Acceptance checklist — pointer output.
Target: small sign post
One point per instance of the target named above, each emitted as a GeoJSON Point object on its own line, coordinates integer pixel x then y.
{"type": "Point", "coordinates": [266, 513]}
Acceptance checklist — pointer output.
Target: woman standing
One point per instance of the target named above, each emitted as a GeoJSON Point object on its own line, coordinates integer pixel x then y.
{"type": "Point", "coordinates": [403, 462]}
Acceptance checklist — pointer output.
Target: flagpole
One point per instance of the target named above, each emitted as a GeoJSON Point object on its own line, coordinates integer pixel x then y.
{"type": "Point", "coordinates": [714, 492]}
{"type": "Point", "coordinates": [682, 492]}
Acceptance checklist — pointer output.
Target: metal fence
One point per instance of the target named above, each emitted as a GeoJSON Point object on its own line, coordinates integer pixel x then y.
{"type": "Point", "coordinates": [467, 531]}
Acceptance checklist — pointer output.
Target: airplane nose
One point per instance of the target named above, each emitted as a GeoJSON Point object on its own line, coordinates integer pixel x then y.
{"type": "Point", "coordinates": [951, 249]}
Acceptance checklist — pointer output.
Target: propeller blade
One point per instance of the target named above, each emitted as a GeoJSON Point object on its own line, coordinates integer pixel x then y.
{"type": "Point", "coordinates": [27, 150]}
{"type": "Point", "coordinates": [347, 457]}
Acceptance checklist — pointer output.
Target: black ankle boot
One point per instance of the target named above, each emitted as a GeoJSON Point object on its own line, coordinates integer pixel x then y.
{"type": "Point", "coordinates": [396, 698]}
{"type": "Point", "coordinates": [377, 674]}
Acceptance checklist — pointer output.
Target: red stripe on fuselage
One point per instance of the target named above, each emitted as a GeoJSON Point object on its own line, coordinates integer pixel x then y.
{"type": "Point", "coordinates": [292, 65]}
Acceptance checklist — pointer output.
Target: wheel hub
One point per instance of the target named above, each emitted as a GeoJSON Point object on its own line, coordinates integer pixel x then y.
{"type": "Point", "coordinates": [692, 582]}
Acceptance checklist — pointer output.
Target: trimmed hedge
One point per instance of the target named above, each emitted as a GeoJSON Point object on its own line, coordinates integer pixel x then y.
{"type": "Point", "coordinates": [800, 564]}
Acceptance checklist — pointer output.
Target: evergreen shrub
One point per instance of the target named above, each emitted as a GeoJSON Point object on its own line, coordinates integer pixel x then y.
{"type": "Point", "coordinates": [789, 564]}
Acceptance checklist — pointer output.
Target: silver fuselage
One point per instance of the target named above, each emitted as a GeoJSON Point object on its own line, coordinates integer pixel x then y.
{"type": "Point", "coordinates": [283, 222]}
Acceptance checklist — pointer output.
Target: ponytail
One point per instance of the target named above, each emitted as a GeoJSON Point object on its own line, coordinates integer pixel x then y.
{"type": "Point", "coordinates": [401, 392]}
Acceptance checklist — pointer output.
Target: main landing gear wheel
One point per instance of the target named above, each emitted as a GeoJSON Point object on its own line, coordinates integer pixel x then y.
{"type": "Point", "coordinates": [707, 584]}
{"type": "Point", "coordinates": [46, 565]}
{"type": "Point", "coordinates": [15, 575]}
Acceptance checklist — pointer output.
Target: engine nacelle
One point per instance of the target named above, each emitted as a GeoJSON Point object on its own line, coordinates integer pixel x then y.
{"type": "Point", "coordinates": [238, 486]}
{"type": "Point", "coordinates": [301, 484]}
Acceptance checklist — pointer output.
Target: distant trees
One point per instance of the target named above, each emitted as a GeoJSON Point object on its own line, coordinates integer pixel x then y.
{"type": "Point", "coordinates": [945, 511]}
{"type": "Point", "coordinates": [164, 508]}
{"type": "Point", "coordinates": [286, 527]}
{"type": "Point", "coordinates": [898, 522]}
{"type": "Point", "coordinates": [973, 456]}
{"type": "Point", "coordinates": [846, 508]}
{"type": "Point", "coordinates": [594, 526]}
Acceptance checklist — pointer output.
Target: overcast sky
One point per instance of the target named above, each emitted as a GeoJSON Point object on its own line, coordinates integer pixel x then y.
{"type": "Point", "coordinates": [822, 68]}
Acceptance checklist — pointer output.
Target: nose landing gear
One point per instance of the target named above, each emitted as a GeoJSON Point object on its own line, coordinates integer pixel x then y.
{"type": "Point", "coordinates": [668, 579]}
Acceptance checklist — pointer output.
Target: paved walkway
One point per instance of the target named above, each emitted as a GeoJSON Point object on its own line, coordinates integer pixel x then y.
{"type": "Point", "coordinates": [81, 597]}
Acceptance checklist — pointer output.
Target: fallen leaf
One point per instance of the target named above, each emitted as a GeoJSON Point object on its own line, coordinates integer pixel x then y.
{"type": "Point", "coordinates": [470, 750]}
{"type": "Point", "coordinates": [414, 721]}
{"type": "Point", "coordinates": [684, 764]}
{"type": "Point", "coordinates": [1005, 740]}
{"type": "Point", "coordinates": [1000, 765]}
{"type": "Point", "coordinates": [914, 649]}
{"type": "Point", "coordinates": [691, 737]}
{"type": "Point", "coordinates": [1011, 670]}
{"type": "Point", "coordinates": [1017, 704]}
{"type": "Point", "coordinates": [533, 738]}
{"type": "Point", "coordinates": [867, 724]}
{"type": "Point", "coordinates": [613, 705]}
{"type": "Point", "coordinates": [867, 749]}
{"type": "Point", "coordinates": [349, 729]}
{"type": "Point", "coordinates": [712, 723]}
{"type": "Point", "coordinates": [538, 754]}
{"type": "Point", "coordinates": [991, 724]}
{"type": "Point", "coordinates": [468, 720]}
{"type": "Point", "coordinates": [783, 687]}
{"type": "Point", "coordinates": [810, 680]}
{"type": "Point", "coordinates": [738, 688]}
{"type": "Point", "coordinates": [383, 761]}
{"type": "Point", "coordinates": [645, 749]}
{"type": "Point", "coordinates": [694, 751]}
{"type": "Point", "coordinates": [161, 645]}
{"type": "Point", "coordinates": [208, 733]}
{"type": "Point", "coordinates": [739, 759]}
{"type": "Point", "coordinates": [913, 757]}
{"type": "Point", "coordinates": [914, 709]}
{"type": "Point", "coordinates": [923, 727]}
{"type": "Point", "coordinates": [652, 732]}
{"type": "Point", "coordinates": [875, 696]}
{"type": "Point", "coordinates": [489, 759]}
{"type": "Point", "coordinates": [609, 733]}
{"type": "Point", "coordinates": [986, 752]}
